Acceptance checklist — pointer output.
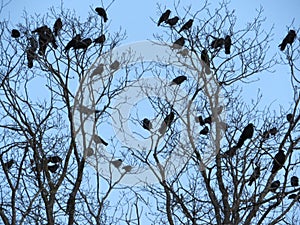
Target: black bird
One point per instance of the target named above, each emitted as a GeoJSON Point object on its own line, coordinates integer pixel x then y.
{"type": "Point", "coordinates": [172, 22]}
{"type": "Point", "coordinates": [8, 165]}
{"type": "Point", "coordinates": [15, 33]}
{"type": "Point", "coordinates": [54, 159]}
{"type": "Point", "coordinates": [167, 122]}
{"type": "Point", "coordinates": [164, 17]}
{"type": "Point", "coordinates": [178, 44]}
{"type": "Point", "coordinates": [208, 120]}
{"type": "Point", "coordinates": [246, 134]}
{"type": "Point", "coordinates": [146, 123]}
{"type": "Point", "coordinates": [73, 42]}
{"type": "Point", "coordinates": [178, 80]}
{"type": "Point", "coordinates": [84, 44]}
{"type": "Point", "coordinates": [117, 163]}
{"type": "Point", "coordinates": [101, 12]}
{"type": "Point", "coordinates": [30, 57]}
{"type": "Point", "coordinates": [205, 59]}
{"type": "Point", "coordinates": [227, 43]}
{"type": "Point", "coordinates": [187, 25]}
{"type": "Point", "coordinates": [57, 26]}
{"type": "Point", "coordinates": [289, 39]}
{"type": "Point", "coordinates": [255, 175]}
{"type": "Point", "coordinates": [100, 40]}
{"type": "Point", "coordinates": [289, 117]}
{"type": "Point", "coordinates": [294, 181]}
{"type": "Point", "coordinates": [53, 168]}
{"type": "Point", "coordinates": [204, 131]}
{"type": "Point", "coordinates": [278, 161]}
{"type": "Point", "coordinates": [200, 120]}
{"type": "Point", "coordinates": [273, 131]}
{"type": "Point", "coordinates": [217, 43]}
{"type": "Point", "coordinates": [45, 36]}
{"type": "Point", "coordinates": [274, 186]}
{"type": "Point", "coordinates": [98, 140]}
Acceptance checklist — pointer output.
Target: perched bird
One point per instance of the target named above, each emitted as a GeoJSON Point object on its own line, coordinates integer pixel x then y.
{"type": "Point", "coordinates": [146, 123]}
{"type": "Point", "coordinates": [8, 165]}
{"type": "Point", "coordinates": [172, 22]}
{"type": "Point", "coordinates": [294, 181]}
{"type": "Point", "coordinates": [246, 134]}
{"type": "Point", "coordinates": [164, 17]}
{"type": "Point", "coordinates": [100, 40]}
{"type": "Point", "coordinates": [255, 175]}
{"type": "Point", "coordinates": [289, 39]}
{"type": "Point", "coordinates": [98, 140]}
{"type": "Point", "coordinates": [167, 123]}
{"type": "Point", "coordinates": [127, 168]}
{"type": "Point", "coordinates": [73, 42]}
{"type": "Point", "coordinates": [273, 131]}
{"type": "Point", "coordinates": [274, 186]}
{"type": "Point", "coordinates": [54, 159]}
{"type": "Point", "coordinates": [115, 65]}
{"type": "Point", "coordinates": [278, 161]}
{"type": "Point", "coordinates": [57, 26]}
{"type": "Point", "coordinates": [45, 37]}
{"type": "Point", "coordinates": [227, 43]}
{"type": "Point", "coordinates": [15, 33]}
{"type": "Point", "coordinates": [178, 80]}
{"type": "Point", "coordinates": [289, 117]}
{"type": "Point", "coordinates": [89, 152]}
{"type": "Point", "coordinates": [187, 25]}
{"type": "Point", "coordinates": [83, 44]}
{"type": "Point", "coordinates": [53, 168]}
{"type": "Point", "coordinates": [208, 120]}
{"type": "Point", "coordinates": [204, 131]}
{"type": "Point", "coordinates": [30, 57]}
{"type": "Point", "coordinates": [178, 44]}
{"type": "Point", "coordinates": [40, 30]}
{"type": "Point", "coordinates": [117, 163]}
{"type": "Point", "coordinates": [217, 43]}
{"type": "Point", "coordinates": [101, 12]}
{"type": "Point", "coordinates": [205, 59]}
{"type": "Point", "coordinates": [200, 120]}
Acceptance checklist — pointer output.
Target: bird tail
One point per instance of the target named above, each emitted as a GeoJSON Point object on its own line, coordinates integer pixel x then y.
{"type": "Point", "coordinates": [282, 46]}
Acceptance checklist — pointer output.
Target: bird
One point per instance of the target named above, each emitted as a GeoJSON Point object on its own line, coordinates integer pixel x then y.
{"type": "Point", "coordinates": [164, 17]}
{"type": "Point", "coordinates": [53, 168]}
{"type": "Point", "coordinates": [178, 80]}
{"type": "Point", "coordinates": [98, 140]}
{"type": "Point", "coordinates": [205, 59]}
{"type": "Point", "coordinates": [289, 117]}
{"type": "Point", "coordinates": [255, 175]}
{"type": "Point", "coordinates": [178, 44]}
{"type": "Point", "coordinates": [187, 25]}
{"type": "Point", "coordinates": [294, 181]}
{"type": "Point", "coordinates": [273, 131]}
{"type": "Point", "coordinates": [117, 163]}
{"type": "Point", "coordinates": [200, 120]}
{"type": "Point", "coordinates": [208, 120]}
{"type": "Point", "coordinates": [40, 30]}
{"type": "Point", "coordinates": [146, 124]}
{"type": "Point", "coordinates": [54, 159]}
{"type": "Point", "coordinates": [45, 37]}
{"type": "Point", "coordinates": [172, 22]}
{"type": "Point", "coordinates": [246, 134]}
{"type": "Point", "coordinates": [278, 161]}
{"type": "Point", "coordinates": [83, 44]}
{"type": "Point", "coordinates": [100, 40]}
{"type": "Point", "coordinates": [115, 65]}
{"type": "Point", "coordinates": [89, 152]}
{"type": "Point", "coordinates": [57, 26]}
{"type": "Point", "coordinates": [227, 44]}
{"type": "Point", "coordinates": [289, 39]}
{"type": "Point", "coordinates": [8, 164]}
{"type": "Point", "coordinates": [274, 186]}
{"type": "Point", "coordinates": [127, 168]}
{"type": "Point", "coordinates": [73, 42]}
{"type": "Point", "coordinates": [204, 131]}
{"type": "Point", "coordinates": [15, 33]}
{"type": "Point", "coordinates": [217, 43]}
{"type": "Point", "coordinates": [30, 57]}
{"type": "Point", "coordinates": [101, 12]}
{"type": "Point", "coordinates": [167, 122]}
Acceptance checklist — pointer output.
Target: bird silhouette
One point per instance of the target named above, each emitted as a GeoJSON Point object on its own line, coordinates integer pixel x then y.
{"type": "Point", "coordinates": [273, 131]}
{"type": "Point", "coordinates": [98, 140]}
{"type": "Point", "coordinates": [246, 134]}
{"type": "Point", "coordinates": [164, 17]}
{"type": "Point", "coordinates": [255, 175]}
{"type": "Point", "coordinates": [208, 120]}
{"type": "Point", "coordinates": [45, 37]}
{"type": "Point", "coordinates": [117, 163]}
{"type": "Point", "coordinates": [187, 25]}
{"type": "Point", "coordinates": [73, 42]}
{"type": "Point", "coordinates": [57, 26]}
{"type": "Point", "coordinates": [167, 122]}
{"type": "Point", "coordinates": [178, 80]}
{"type": "Point", "coordinates": [204, 131]}
{"type": "Point", "coordinates": [83, 44]}
{"type": "Point", "coordinates": [8, 165]}
{"type": "Point", "coordinates": [100, 40]}
{"type": "Point", "coordinates": [30, 57]}
{"type": "Point", "coordinates": [278, 161]}
{"type": "Point", "coordinates": [289, 39]}
{"type": "Point", "coordinates": [217, 43]}
{"type": "Point", "coordinates": [294, 181]}
{"type": "Point", "coordinates": [205, 59]}
{"type": "Point", "coordinates": [178, 44]}
{"type": "Point", "coordinates": [15, 33]}
{"type": "Point", "coordinates": [274, 186]}
{"type": "Point", "coordinates": [173, 21]}
{"type": "Point", "coordinates": [200, 120]}
{"type": "Point", "coordinates": [227, 43]}
{"type": "Point", "coordinates": [289, 117]}
{"type": "Point", "coordinates": [102, 13]}
{"type": "Point", "coordinates": [146, 124]}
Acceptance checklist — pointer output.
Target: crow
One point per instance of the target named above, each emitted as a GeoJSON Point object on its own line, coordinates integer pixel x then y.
{"type": "Point", "coordinates": [289, 39]}
{"type": "Point", "coordinates": [178, 80]}
{"type": "Point", "coordinates": [246, 134]}
{"type": "Point", "coordinates": [8, 165]}
{"type": "Point", "coordinates": [208, 120]}
{"type": "Point", "coordinates": [73, 42]}
{"type": "Point", "coordinates": [217, 43]}
{"type": "Point", "coordinates": [178, 44]}
{"type": "Point", "coordinates": [294, 181]}
{"type": "Point", "coordinates": [227, 43]}
{"type": "Point", "coordinates": [15, 33]}
{"type": "Point", "coordinates": [255, 175]}
{"type": "Point", "coordinates": [273, 131]}
{"type": "Point", "coordinates": [204, 131]}
{"type": "Point", "coordinates": [278, 161]}
{"type": "Point", "coordinates": [164, 17]}
{"type": "Point", "coordinates": [200, 120]}
{"type": "Point", "coordinates": [146, 123]}
{"type": "Point", "coordinates": [187, 25]}
{"type": "Point", "coordinates": [289, 117]}
{"type": "Point", "coordinates": [30, 57]}
{"type": "Point", "coordinates": [100, 40]}
{"type": "Point", "coordinates": [83, 44]}
{"type": "Point", "coordinates": [167, 122]}
{"type": "Point", "coordinates": [57, 26]}
{"type": "Point", "coordinates": [205, 59]}
{"type": "Point", "coordinates": [274, 186]}
{"type": "Point", "coordinates": [172, 22]}
{"type": "Point", "coordinates": [101, 12]}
